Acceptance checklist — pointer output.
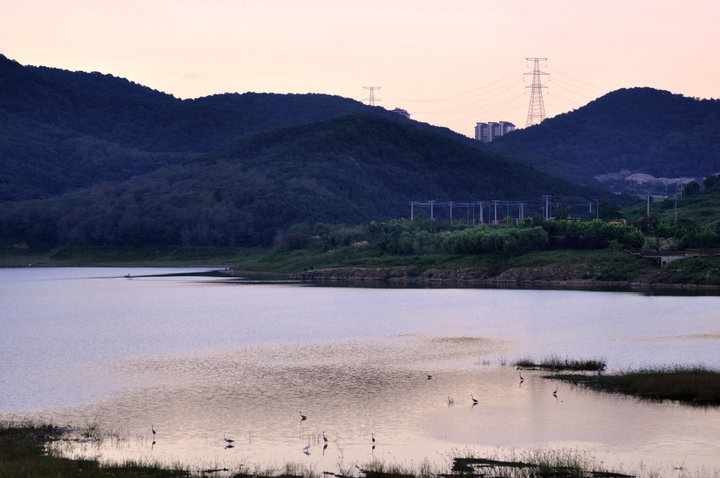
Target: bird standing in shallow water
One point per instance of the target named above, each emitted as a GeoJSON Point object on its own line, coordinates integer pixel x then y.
{"type": "Point", "coordinates": [153, 431]}
{"type": "Point", "coordinates": [302, 417]}
{"type": "Point", "coordinates": [555, 392]}
{"type": "Point", "coordinates": [474, 400]}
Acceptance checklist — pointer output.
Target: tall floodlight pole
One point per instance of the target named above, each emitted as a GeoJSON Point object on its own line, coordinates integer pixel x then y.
{"type": "Point", "coordinates": [536, 109]}
{"type": "Point", "coordinates": [371, 99]}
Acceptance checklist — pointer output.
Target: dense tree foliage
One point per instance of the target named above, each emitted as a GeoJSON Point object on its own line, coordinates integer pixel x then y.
{"type": "Point", "coordinates": [62, 130]}
{"type": "Point", "coordinates": [405, 237]}
{"type": "Point", "coordinates": [347, 170]}
{"type": "Point", "coordinates": [501, 241]}
{"type": "Point", "coordinates": [640, 130]}
{"type": "Point", "coordinates": [588, 234]}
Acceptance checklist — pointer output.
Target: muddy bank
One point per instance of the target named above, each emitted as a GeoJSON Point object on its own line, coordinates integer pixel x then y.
{"type": "Point", "coordinates": [555, 277]}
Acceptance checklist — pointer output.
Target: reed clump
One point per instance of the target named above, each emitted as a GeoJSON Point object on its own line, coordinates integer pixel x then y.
{"type": "Point", "coordinates": [689, 384]}
{"type": "Point", "coordinates": [554, 362]}
{"type": "Point", "coordinates": [532, 464]}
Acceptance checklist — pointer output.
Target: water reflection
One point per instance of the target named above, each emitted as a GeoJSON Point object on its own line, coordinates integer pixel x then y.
{"type": "Point", "coordinates": [352, 392]}
{"type": "Point", "coordinates": [200, 362]}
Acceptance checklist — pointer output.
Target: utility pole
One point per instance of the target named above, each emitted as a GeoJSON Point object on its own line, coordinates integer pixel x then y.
{"type": "Point", "coordinates": [371, 98]}
{"type": "Point", "coordinates": [412, 211]}
{"type": "Point", "coordinates": [547, 206]}
{"type": "Point", "coordinates": [536, 109]}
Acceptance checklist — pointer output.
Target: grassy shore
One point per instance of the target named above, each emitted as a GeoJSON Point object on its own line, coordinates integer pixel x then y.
{"type": "Point", "coordinates": [693, 385]}
{"type": "Point", "coordinates": [603, 266]}
{"type": "Point", "coordinates": [25, 453]}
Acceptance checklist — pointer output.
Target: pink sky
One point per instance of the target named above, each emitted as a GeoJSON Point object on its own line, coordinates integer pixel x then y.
{"type": "Point", "coordinates": [449, 63]}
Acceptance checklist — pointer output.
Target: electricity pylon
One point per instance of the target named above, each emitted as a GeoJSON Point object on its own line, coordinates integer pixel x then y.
{"type": "Point", "coordinates": [536, 109]}
{"type": "Point", "coordinates": [371, 98]}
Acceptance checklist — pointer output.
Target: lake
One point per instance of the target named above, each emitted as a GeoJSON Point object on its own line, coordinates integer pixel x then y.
{"type": "Point", "coordinates": [202, 359]}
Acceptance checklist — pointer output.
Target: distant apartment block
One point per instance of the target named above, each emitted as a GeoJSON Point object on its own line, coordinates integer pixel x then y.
{"type": "Point", "coordinates": [487, 132]}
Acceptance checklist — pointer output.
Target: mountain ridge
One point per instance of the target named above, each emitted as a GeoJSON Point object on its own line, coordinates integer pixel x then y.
{"type": "Point", "coordinates": [639, 130]}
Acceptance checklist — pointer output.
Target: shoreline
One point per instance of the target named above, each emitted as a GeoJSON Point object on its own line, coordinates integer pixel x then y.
{"type": "Point", "coordinates": [522, 277]}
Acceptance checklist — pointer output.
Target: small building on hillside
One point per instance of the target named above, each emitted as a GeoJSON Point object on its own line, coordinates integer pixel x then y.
{"type": "Point", "coordinates": [401, 112]}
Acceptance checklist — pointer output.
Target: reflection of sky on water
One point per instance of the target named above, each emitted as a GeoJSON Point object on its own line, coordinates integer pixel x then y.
{"type": "Point", "coordinates": [202, 361]}
{"type": "Point", "coordinates": [350, 390]}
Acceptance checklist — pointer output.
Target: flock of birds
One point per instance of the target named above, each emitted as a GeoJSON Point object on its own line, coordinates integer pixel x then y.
{"type": "Point", "coordinates": [306, 449]}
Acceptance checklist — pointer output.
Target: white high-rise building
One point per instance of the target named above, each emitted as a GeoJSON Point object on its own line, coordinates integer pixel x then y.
{"type": "Point", "coordinates": [486, 132]}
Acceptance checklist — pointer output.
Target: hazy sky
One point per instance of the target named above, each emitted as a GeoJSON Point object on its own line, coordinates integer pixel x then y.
{"type": "Point", "coordinates": [450, 63]}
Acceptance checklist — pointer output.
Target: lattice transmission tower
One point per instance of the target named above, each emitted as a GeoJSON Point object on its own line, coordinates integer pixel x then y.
{"type": "Point", "coordinates": [371, 99]}
{"type": "Point", "coordinates": [536, 109]}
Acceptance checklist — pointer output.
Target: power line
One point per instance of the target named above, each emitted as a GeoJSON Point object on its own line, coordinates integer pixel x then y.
{"type": "Point", "coordinates": [460, 96]}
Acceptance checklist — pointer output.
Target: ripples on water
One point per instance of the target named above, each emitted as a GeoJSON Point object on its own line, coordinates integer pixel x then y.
{"type": "Point", "coordinates": [202, 361]}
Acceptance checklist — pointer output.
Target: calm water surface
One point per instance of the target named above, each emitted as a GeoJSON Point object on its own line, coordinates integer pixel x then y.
{"type": "Point", "coordinates": [203, 359]}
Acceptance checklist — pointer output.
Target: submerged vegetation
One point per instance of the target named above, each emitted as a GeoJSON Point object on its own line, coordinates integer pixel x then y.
{"type": "Point", "coordinates": [694, 385]}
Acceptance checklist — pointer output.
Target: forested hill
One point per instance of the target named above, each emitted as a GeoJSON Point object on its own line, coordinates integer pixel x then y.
{"type": "Point", "coordinates": [641, 130]}
{"type": "Point", "coordinates": [258, 190]}
{"type": "Point", "coordinates": [62, 130]}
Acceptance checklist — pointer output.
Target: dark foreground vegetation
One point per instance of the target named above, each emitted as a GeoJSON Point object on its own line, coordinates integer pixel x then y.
{"type": "Point", "coordinates": [25, 452]}
{"type": "Point", "coordinates": [693, 385]}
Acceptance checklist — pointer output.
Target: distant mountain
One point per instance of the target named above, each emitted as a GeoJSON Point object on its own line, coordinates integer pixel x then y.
{"type": "Point", "coordinates": [62, 130]}
{"type": "Point", "coordinates": [344, 170]}
{"type": "Point", "coordinates": [636, 130]}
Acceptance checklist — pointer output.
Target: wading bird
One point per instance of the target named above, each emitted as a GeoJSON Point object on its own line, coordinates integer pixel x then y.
{"type": "Point", "coordinates": [429, 377]}
{"type": "Point", "coordinates": [302, 417]}
{"type": "Point", "coordinates": [555, 392]}
{"type": "Point", "coordinates": [475, 402]}
{"type": "Point", "coordinates": [373, 438]}
{"type": "Point", "coordinates": [325, 439]}
{"type": "Point", "coordinates": [306, 449]}
{"type": "Point", "coordinates": [521, 377]}
{"type": "Point", "coordinates": [229, 440]}
{"type": "Point", "coordinates": [153, 431]}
